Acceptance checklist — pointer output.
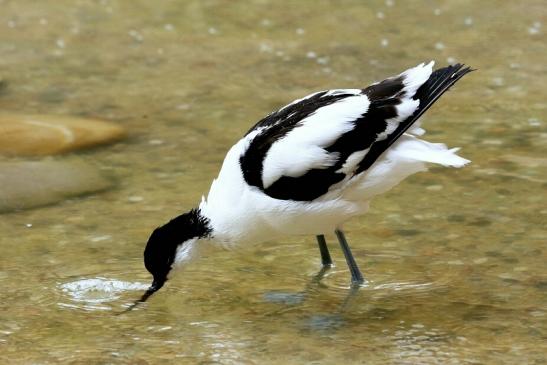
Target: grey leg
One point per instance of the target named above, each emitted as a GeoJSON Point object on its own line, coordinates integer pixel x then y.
{"type": "Point", "coordinates": [325, 255]}
{"type": "Point", "coordinates": [356, 276]}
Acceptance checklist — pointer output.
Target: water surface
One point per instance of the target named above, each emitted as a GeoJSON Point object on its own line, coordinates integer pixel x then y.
{"type": "Point", "coordinates": [455, 258]}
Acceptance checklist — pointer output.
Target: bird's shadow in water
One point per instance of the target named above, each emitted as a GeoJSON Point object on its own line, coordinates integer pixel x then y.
{"type": "Point", "coordinates": [315, 322]}
{"type": "Point", "coordinates": [3, 87]}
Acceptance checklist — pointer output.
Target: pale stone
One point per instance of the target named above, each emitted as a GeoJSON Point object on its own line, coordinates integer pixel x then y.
{"type": "Point", "coordinates": [32, 135]}
{"type": "Point", "coordinates": [526, 161]}
{"type": "Point", "coordinates": [29, 184]}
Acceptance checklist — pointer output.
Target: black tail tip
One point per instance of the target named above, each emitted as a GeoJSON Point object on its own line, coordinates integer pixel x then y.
{"type": "Point", "coordinates": [458, 70]}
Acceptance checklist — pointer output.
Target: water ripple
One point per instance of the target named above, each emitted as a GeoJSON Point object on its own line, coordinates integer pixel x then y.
{"type": "Point", "coordinates": [92, 294]}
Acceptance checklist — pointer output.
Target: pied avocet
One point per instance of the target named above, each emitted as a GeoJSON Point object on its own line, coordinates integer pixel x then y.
{"type": "Point", "coordinates": [311, 166]}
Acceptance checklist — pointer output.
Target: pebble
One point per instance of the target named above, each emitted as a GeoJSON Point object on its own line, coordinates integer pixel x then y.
{"type": "Point", "coordinates": [322, 60]}
{"type": "Point", "coordinates": [534, 122]}
{"type": "Point", "coordinates": [526, 161]}
{"type": "Point", "coordinates": [29, 184]}
{"type": "Point", "coordinates": [434, 187]}
{"type": "Point", "coordinates": [439, 46]}
{"type": "Point", "coordinates": [506, 275]}
{"type": "Point", "coordinates": [105, 237]}
{"type": "Point", "coordinates": [37, 135]}
{"type": "Point", "coordinates": [136, 35]}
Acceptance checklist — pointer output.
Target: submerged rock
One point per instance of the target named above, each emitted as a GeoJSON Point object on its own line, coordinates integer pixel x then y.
{"type": "Point", "coordinates": [32, 135]}
{"type": "Point", "coordinates": [29, 184]}
{"type": "Point", "coordinates": [3, 86]}
{"type": "Point", "coordinates": [526, 161]}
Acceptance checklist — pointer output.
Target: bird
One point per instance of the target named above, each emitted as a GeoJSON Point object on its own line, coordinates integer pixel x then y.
{"type": "Point", "coordinates": [309, 167]}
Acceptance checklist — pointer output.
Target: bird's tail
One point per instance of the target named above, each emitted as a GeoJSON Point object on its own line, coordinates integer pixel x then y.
{"type": "Point", "coordinates": [437, 84]}
{"type": "Point", "coordinates": [429, 92]}
{"type": "Point", "coordinates": [419, 84]}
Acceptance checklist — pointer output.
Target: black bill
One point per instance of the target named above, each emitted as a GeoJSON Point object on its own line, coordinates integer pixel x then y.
{"type": "Point", "coordinates": [156, 285]}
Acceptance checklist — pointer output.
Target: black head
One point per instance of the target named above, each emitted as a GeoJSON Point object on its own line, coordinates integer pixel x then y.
{"type": "Point", "coordinates": [165, 241]}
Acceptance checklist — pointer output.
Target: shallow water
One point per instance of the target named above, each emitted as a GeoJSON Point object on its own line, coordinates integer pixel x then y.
{"type": "Point", "coordinates": [455, 258]}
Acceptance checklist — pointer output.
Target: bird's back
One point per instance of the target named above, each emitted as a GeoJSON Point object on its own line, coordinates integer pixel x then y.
{"type": "Point", "coordinates": [330, 152]}
{"type": "Point", "coordinates": [304, 149]}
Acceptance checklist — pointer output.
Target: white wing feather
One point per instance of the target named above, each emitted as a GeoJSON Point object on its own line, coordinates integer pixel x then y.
{"type": "Point", "coordinates": [302, 148]}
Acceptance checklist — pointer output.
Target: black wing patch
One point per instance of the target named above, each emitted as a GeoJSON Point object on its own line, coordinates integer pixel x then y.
{"type": "Point", "coordinates": [276, 126]}
{"type": "Point", "coordinates": [388, 88]}
{"type": "Point", "coordinates": [437, 84]}
{"type": "Point", "coordinates": [384, 97]}
{"type": "Point", "coordinates": [316, 182]}
{"type": "Point", "coordinates": [291, 114]}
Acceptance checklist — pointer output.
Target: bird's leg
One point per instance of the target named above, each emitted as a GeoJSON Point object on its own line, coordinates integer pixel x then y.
{"type": "Point", "coordinates": [325, 255]}
{"type": "Point", "coordinates": [356, 276]}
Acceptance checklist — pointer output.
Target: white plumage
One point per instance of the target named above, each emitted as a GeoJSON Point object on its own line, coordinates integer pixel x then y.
{"type": "Point", "coordinates": [240, 213]}
{"type": "Point", "coordinates": [303, 148]}
{"type": "Point", "coordinates": [311, 166]}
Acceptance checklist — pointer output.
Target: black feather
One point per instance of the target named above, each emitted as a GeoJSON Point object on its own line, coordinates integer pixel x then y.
{"type": "Point", "coordinates": [276, 126]}
{"type": "Point", "coordinates": [388, 88]}
{"type": "Point", "coordinates": [437, 84]}
{"type": "Point", "coordinates": [384, 98]}
{"type": "Point", "coordinates": [317, 182]}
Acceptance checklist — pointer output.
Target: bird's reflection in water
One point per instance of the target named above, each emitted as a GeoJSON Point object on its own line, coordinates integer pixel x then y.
{"type": "Point", "coordinates": [317, 321]}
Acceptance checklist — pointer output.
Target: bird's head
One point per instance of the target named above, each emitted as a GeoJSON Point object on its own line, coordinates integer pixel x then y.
{"type": "Point", "coordinates": [172, 244]}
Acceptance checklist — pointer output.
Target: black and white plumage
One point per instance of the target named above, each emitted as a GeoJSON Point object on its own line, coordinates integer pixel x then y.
{"type": "Point", "coordinates": [359, 125]}
{"type": "Point", "coordinates": [311, 166]}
